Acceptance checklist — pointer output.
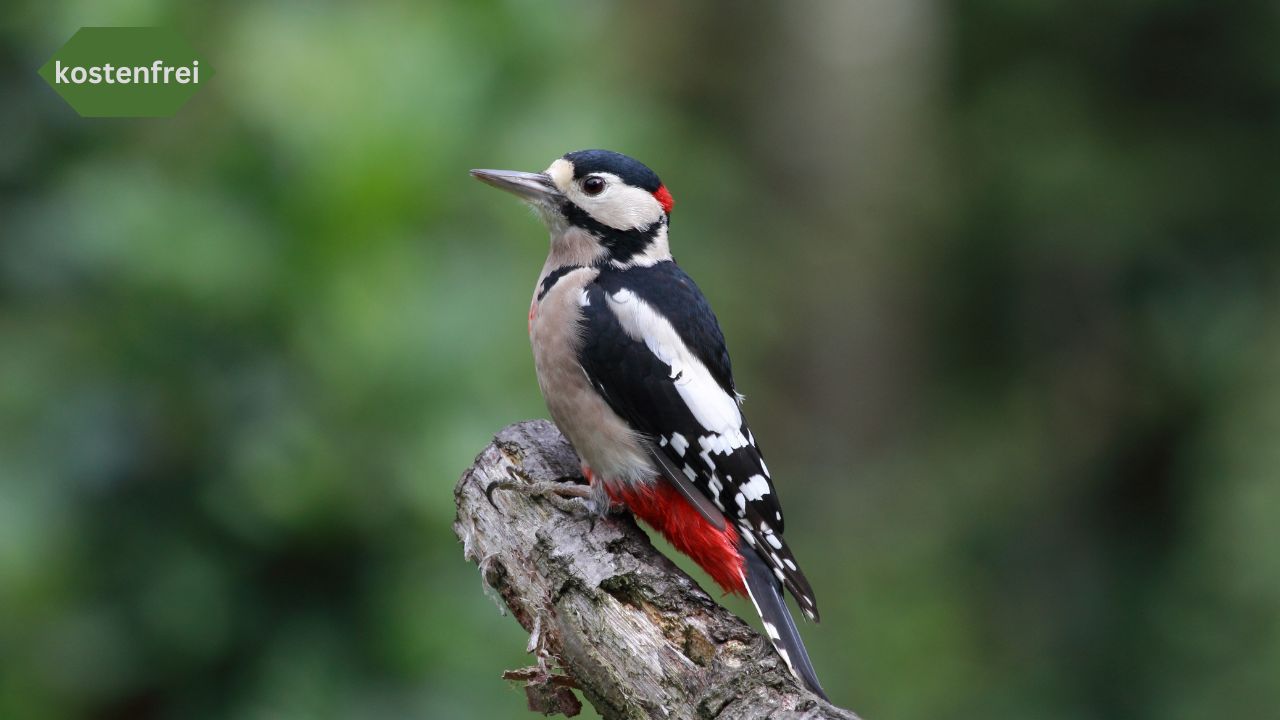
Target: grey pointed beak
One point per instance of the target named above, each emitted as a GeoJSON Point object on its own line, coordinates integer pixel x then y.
{"type": "Point", "coordinates": [525, 185]}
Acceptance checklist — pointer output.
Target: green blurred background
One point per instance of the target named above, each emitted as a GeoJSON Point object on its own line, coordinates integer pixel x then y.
{"type": "Point", "coordinates": [1000, 280]}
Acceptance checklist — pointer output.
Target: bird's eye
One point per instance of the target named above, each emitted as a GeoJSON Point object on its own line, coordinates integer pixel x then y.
{"type": "Point", "coordinates": [593, 185]}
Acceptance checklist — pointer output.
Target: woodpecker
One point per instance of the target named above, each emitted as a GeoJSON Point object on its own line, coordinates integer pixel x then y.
{"type": "Point", "coordinates": [633, 366]}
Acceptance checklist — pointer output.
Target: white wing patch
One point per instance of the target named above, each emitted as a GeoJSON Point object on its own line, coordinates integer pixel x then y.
{"type": "Point", "coordinates": [756, 487]}
{"type": "Point", "coordinates": [679, 443]}
{"type": "Point", "coordinates": [713, 408]}
{"type": "Point", "coordinates": [716, 488]}
{"type": "Point", "coordinates": [723, 444]}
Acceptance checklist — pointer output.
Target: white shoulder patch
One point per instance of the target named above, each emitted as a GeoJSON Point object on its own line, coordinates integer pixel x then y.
{"type": "Point", "coordinates": [714, 409]}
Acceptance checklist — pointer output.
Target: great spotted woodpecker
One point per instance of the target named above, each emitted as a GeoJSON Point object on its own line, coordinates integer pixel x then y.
{"type": "Point", "coordinates": [633, 366]}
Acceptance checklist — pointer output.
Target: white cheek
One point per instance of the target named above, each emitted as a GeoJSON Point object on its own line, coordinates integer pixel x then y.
{"type": "Point", "coordinates": [620, 206]}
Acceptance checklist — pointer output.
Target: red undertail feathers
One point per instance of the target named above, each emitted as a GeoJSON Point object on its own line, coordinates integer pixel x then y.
{"type": "Point", "coordinates": [664, 509]}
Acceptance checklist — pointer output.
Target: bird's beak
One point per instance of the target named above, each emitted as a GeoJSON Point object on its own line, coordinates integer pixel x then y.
{"type": "Point", "coordinates": [534, 187]}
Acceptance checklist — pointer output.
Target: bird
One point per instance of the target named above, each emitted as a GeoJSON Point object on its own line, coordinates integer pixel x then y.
{"type": "Point", "coordinates": [633, 366]}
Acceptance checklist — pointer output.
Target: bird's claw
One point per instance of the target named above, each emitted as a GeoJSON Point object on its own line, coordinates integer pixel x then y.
{"type": "Point", "coordinates": [554, 489]}
{"type": "Point", "coordinates": [488, 490]}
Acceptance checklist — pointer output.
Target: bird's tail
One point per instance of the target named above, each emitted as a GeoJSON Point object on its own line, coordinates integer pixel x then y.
{"type": "Point", "coordinates": [766, 594]}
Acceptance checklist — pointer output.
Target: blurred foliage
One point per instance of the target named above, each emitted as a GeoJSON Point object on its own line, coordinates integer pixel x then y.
{"type": "Point", "coordinates": [1000, 280]}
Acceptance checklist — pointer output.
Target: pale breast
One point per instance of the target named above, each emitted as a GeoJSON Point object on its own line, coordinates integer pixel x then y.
{"type": "Point", "coordinates": [604, 441]}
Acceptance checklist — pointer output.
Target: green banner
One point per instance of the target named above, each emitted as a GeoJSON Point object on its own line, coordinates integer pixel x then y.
{"type": "Point", "coordinates": [126, 72]}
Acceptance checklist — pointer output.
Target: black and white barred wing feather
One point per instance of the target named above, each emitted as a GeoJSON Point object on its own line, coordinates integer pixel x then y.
{"type": "Point", "coordinates": [654, 350]}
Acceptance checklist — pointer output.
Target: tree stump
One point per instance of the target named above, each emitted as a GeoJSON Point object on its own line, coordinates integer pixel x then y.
{"type": "Point", "coordinates": [607, 613]}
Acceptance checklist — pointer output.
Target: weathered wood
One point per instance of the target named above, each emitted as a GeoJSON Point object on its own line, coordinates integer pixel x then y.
{"type": "Point", "coordinates": [629, 629]}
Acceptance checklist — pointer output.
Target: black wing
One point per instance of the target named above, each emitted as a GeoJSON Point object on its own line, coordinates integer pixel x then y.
{"type": "Point", "coordinates": [669, 290]}
{"type": "Point", "coordinates": [654, 350]}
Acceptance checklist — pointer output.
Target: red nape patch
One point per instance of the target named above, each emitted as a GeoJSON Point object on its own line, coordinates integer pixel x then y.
{"type": "Point", "coordinates": [663, 196]}
{"type": "Point", "coordinates": [664, 509]}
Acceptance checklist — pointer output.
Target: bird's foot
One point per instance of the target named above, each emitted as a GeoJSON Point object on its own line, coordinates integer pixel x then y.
{"type": "Point", "coordinates": [558, 491]}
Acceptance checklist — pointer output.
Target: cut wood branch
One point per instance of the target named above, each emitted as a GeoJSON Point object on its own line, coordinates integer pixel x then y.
{"type": "Point", "coordinates": [607, 613]}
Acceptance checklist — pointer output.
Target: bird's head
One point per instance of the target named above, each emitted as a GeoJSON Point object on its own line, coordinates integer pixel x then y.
{"type": "Point", "coordinates": [600, 206]}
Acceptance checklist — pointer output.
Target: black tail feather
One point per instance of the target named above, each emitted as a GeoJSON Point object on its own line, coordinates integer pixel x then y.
{"type": "Point", "coordinates": [766, 594]}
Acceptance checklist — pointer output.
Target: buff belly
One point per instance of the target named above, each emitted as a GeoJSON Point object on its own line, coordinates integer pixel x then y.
{"type": "Point", "coordinates": [604, 441]}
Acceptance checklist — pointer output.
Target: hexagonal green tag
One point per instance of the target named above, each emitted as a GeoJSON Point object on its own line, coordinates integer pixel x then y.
{"type": "Point", "coordinates": [126, 72]}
